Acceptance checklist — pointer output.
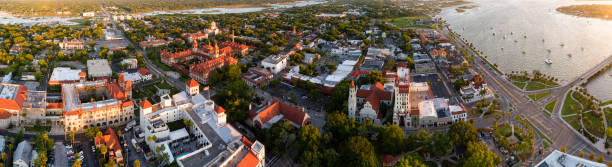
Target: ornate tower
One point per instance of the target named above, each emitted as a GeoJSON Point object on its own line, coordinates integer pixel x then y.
{"type": "Point", "coordinates": [194, 45]}
{"type": "Point", "coordinates": [216, 49]}
{"type": "Point", "coordinates": [352, 100]}
{"type": "Point", "coordinates": [128, 89]}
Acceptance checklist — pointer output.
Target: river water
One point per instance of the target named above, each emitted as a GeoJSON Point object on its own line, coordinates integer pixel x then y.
{"type": "Point", "coordinates": [546, 30]}
{"type": "Point", "coordinates": [6, 18]}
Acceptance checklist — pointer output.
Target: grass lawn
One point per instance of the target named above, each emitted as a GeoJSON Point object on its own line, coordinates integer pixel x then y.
{"type": "Point", "coordinates": [405, 22]}
{"type": "Point", "coordinates": [176, 125]}
{"type": "Point", "coordinates": [551, 106]}
{"type": "Point", "coordinates": [570, 106]}
{"type": "Point", "coordinates": [539, 96]}
{"type": "Point", "coordinates": [520, 85]}
{"type": "Point", "coordinates": [547, 82]}
{"type": "Point", "coordinates": [504, 129]}
{"type": "Point", "coordinates": [519, 78]}
{"type": "Point", "coordinates": [574, 121]}
{"type": "Point", "coordinates": [608, 112]}
{"type": "Point", "coordinates": [606, 103]}
{"type": "Point", "coordinates": [536, 86]}
{"type": "Point", "coordinates": [596, 126]}
{"type": "Point", "coordinates": [82, 23]}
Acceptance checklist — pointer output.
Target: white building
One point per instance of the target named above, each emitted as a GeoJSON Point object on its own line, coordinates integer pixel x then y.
{"type": "Point", "coordinates": [99, 68]}
{"type": "Point", "coordinates": [275, 63]}
{"type": "Point", "coordinates": [145, 74]}
{"type": "Point", "coordinates": [22, 155]}
{"type": "Point", "coordinates": [217, 143]}
{"type": "Point", "coordinates": [365, 104]}
{"type": "Point", "coordinates": [63, 75]}
{"type": "Point", "coordinates": [558, 158]}
{"type": "Point", "coordinates": [130, 63]}
{"type": "Point", "coordinates": [401, 107]}
{"type": "Point", "coordinates": [88, 14]}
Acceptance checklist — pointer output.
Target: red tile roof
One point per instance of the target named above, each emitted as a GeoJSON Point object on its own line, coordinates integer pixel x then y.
{"type": "Point", "coordinates": [110, 140]}
{"type": "Point", "coordinates": [246, 142]}
{"type": "Point", "coordinates": [289, 112]}
{"type": "Point", "coordinates": [128, 103]}
{"type": "Point", "coordinates": [192, 83]}
{"type": "Point", "coordinates": [387, 159]}
{"type": "Point", "coordinates": [144, 71]}
{"type": "Point", "coordinates": [4, 114]}
{"type": "Point", "coordinates": [250, 160]}
{"type": "Point", "coordinates": [17, 102]}
{"type": "Point", "coordinates": [374, 95]}
{"type": "Point", "coordinates": [55, 105]}
{"type": "Point", "coordinates": [145, 104]}
{"type": "Point", "coordinates": [69, 113]}
{"type": "Point", "coordinates": [116, 91]}
{"type": "Point", "coordinates": [219, 109]}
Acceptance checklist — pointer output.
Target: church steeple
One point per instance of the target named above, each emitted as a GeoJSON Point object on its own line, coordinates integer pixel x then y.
{"type": "Point", "coordinates": [233, 36]}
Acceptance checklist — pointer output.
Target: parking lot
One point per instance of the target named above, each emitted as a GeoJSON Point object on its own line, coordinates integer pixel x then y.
{"type": "Point", "coordinates": [131, 154]}
{"type": "Point", "coordinates": [437, 87]}
{"type": "Point", "coordinates": [60, 155]}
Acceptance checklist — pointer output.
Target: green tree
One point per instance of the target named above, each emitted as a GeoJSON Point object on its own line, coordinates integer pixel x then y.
{"type": "Point", "coordinates": [411, 160]}
{"type": "Point", "coordinates": [477, 154]}
{"type": "Point", "coordinates": [309, 143]}
{"type": "Point", "coordinates": [358, 151]}
{"type": "Point", "coordinates": [462, 133]}
{"type": "Point", "coordinates": [234, 72]}
{"type": "Point", "coordinates": [391, 139]}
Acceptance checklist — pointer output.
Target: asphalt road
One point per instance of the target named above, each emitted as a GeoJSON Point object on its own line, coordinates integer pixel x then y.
{"type": "Point", "coordinates": [560, 133]}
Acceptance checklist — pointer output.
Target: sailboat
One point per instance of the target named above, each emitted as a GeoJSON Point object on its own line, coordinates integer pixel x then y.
{"type": "Point", "coordinates": [548, 61]}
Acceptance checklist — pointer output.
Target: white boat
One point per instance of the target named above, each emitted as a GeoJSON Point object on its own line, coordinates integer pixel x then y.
{"type": "Point", "coordinates": [548, 61]}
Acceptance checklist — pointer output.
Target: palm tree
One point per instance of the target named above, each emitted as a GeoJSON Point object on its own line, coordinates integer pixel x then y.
{"type": "Point", "coordinates": [98, 134]}
{"type": "Point", "coordinates": [136, 163]}
{"type": "Point", "coordinates": [103, 150]}
{"type": "Point", "coordinates": [72, 136]}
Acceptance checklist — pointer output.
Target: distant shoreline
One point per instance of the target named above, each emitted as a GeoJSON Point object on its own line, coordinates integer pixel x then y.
{"type": "Point", "coordinates": [600, 11]}
{"type": "Point", "coordinates": [16, 9]}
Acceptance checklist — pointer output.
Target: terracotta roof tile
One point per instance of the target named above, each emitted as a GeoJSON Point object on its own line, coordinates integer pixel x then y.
{"type": "Point", "coordinates": [192, 83]}
{"type": "Point", "coordinates": [4, 114]}
{"type": "Point", "coordinates": [374, 95]}
{"type": "Point", "coordinates": [250, 160]}
{"type": "Point", "coordinates": [145, 104]}
{"type": "Point", "coordinates": [289, 112]}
